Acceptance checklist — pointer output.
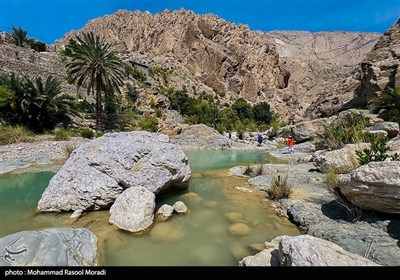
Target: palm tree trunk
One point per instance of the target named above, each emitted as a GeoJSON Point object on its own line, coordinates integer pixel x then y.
{"type": "Point", "coordinates": [98, 109]}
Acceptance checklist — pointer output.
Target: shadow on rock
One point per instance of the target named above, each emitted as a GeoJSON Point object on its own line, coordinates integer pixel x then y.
{"type": "Point", "coordinates": [334, 211]}
{"type": "Point", "coordinates": [393, 229]}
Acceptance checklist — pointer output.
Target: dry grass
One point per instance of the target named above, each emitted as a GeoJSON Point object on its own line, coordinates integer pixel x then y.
{"type": "Point", "coordinates": [68, 150]}
{"type": "Point", "coordinates": [62, 135]}
{"type": "Point", "coordinates": [280, 187]}
{"type": "Point", "coordinates": [248, 170]}
{"type": "Point", "coordinates": [259, 170]}
{"type": "Point", "coordinates": [14, 134]}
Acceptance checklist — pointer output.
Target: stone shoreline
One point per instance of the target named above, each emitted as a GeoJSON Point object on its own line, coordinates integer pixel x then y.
{"type": "Point", "coordinates": [314, 210]}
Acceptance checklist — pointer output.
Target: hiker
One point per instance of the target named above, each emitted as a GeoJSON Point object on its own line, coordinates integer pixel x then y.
{"type": "Point", "coordinates": [290, 143]}
{"type": "Point", "coordinates": [260, 139]}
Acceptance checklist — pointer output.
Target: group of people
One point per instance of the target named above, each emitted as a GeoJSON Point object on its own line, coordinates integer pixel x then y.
{"type": "Point", "coordinates": [290, 142]}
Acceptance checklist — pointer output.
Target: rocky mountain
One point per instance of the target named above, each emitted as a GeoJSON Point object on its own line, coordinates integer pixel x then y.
{"type": "Point", "coordinates": [322, 67]}
{"type": "Point", "coordinates": [380, 69]}
{"type": "Point", "coordinates": [223, 56]}
{"type": "Point", "coordinates": [301, 74]}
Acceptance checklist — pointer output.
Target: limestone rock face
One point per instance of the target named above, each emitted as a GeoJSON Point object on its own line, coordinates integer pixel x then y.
{"type": "Point", "coordinates": [223, 56]}
{"type": "Point", "coordinates": [323, 69]}
{"type": "Point", "coordinates": [375, 186]}
{"type": "Point", "coordinates": [304, 250]}
{"type": "Point", "coordinates": [380, 69]}
{"type": "Point", "coordinates": [342, 160]}
{"type": "Point", "coordinates": [202, 136]}
{"type": "Point", "coordinates": [98, 171]}
{"type": "Point", "coordinates": [49, 247]}
{"type": "Point", "coordinates": [133, 210]}
{"type": "Point", "coordinates": [303, 131]}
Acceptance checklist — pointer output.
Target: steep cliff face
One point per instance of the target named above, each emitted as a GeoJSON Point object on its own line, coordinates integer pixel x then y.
{"type": "Point", "coordinates": [322, 68]}
{"type": "Point", "coordinates": [223, 56]}
{"type": "Point", "coordinates": [300, 74]}
{"type": "Point", "coordinates": [380, 69]}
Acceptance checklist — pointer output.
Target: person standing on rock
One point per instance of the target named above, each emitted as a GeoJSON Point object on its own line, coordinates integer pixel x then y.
{"type": "Point", "coordinates": [290, 143]}
{"type": "Point", "coordinates": [260, 140]}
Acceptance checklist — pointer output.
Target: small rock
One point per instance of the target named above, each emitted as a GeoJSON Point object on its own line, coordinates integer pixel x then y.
{"type": "Point", "coordinates": [133, 210]}
{"type": "Point", "coordinates": [180, 207]}
{"type": "Point", "coordinates": [242, 189]}
{"type": "Point", "coordinates": [76, 214]}
{"type": "Point", "coordinates": [234, 216]}
{"type": "Point", "coordinates": [257, 247]}
{"type": "Point", "coordinates": [239, 229]}
{"type": "Point", "coordinates": [192, 197]}
{"type": "Point", "coordinates": [165, 211]}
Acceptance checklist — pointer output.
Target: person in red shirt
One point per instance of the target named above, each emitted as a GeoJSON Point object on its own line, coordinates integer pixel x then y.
{"type": "Point", "coordinates": [290, 143]}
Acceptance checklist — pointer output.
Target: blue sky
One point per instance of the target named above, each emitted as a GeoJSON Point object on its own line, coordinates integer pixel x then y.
{"type": "Point", "coordinates": [48, 20]}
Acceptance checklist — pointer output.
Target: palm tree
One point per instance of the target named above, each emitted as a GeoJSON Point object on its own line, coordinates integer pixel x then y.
{"type": "Point", "coordinates": [20, 36]}
{"type": "Point", "coordinates": [95, 65]}
{"type": "Point", "coordinates": [36, 104]}
{"type": "Point", "coordinates": [389, 103]}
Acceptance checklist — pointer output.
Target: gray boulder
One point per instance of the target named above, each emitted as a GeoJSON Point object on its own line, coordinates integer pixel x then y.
{"type": "Point", "coordinates": [98, 171]}
{"type": "Point", "coordinates": [342, 160]}
{"type": "Point", "coordinates": [392, 128]}
{"type": "Point", "coordinates": [49, 247]}
{"type": "Point", "coordinates": [304, 130]}
{"type": "Point", "coordinates": [375, 186]}
{"type": "Point", "coordinates": [304, 250]}
{"type": "Point", "coordinates": [133, 210]}
{"type": "Point", "coordinates": [201, 136]}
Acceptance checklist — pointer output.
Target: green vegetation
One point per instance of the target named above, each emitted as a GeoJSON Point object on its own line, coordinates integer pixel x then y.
{"type": "Point", "coordinates": [37, 45]}
{"type": "Point", "coordinates": [389, 104]}
{"type": "Point", "coordinates": [134, 72]}
{"type": "Point", "coordinates": [207, 109]}
{"type": "Point", "coordinates": [347, 130]}
{"type": "Point", "coordinates": [62, 135]}
{"type": "Point", "coordinates": [14, 134]}
{"type": "Point", "coordinates": [87, 133]}
{"type": "Point", "coordinates": [378, 152]}
{"type": "Point", "coordinates": [19, 36]}
{"type": "Point", "coordinates": [280, 188]}
{"type": "Point", "coordinates": [39, 105]}
{"type": "Point", "coordinates": [94, 64]}
{"type": "Point", "coordinates": [148, 123]}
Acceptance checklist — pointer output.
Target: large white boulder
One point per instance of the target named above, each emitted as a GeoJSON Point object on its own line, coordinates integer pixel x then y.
{"type": "Point", "coordinates": [375, 186]}
{"type": "Point", "coordinates": [98, 171]}
{"type": "Point", "coordinates": [304, 250]}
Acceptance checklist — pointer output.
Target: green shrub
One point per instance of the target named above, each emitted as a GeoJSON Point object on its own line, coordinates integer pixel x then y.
{"type": "Point", "coordinates": [378, 151]}
{"type": "Point", "coordinates": [99, 134]}
{"type": "Point", "coordinates": [38, 46]}
{"type": "Point", "coordinates": [62, 135]}
{"type": "Point", "coordinates": [87, 133]}
{"type": "Point", "coordinates": [348, 130]}
{"type": "Point", "coordinates": [280, 188]}
{"type": "Point", "coordinates": [16, 134]}
{"type": "Point", "coordinates": [262, 113]}
{"type": "Point", "coordinates": [148, 123]}
{"type": "Point", "coordinates": [389, 104]}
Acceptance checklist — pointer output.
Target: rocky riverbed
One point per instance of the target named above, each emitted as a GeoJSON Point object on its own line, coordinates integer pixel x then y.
{"type": "Point", "coordinates": [314, 209]}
